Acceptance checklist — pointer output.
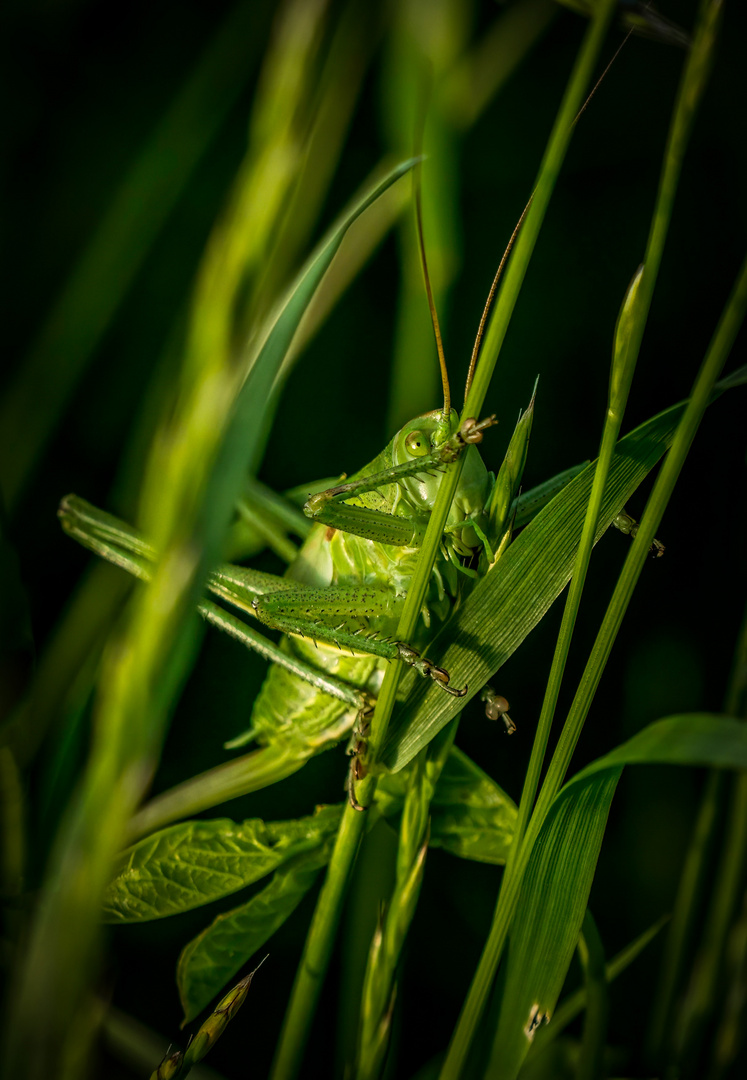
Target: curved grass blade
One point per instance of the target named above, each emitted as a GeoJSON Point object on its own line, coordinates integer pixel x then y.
{"type": "Point", "coordinates": [571, 1006]}
{"type": "Point", "coordinates": [558, 879]}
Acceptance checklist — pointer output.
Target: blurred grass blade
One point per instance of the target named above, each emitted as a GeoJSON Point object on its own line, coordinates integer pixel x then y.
{"type": "Point", "coordinates": [561, 867]}
{"type": "Point", "coordinates": [591, 953]}
{"type": "Point", "coordinates": [571, 1006]}
{"type": "Point", "coordinates": [95, 288]}
{"type": "Point", "coordinates": [213, 957]}
{"type": "Point", "coordinates": [186, 508]}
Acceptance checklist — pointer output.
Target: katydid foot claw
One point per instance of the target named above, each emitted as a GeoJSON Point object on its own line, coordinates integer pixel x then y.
{"type": "Point", "coordinates": [471, 429]}
{"type": "Point", "coordinates": [356, 771]}
{"type": "Point", "coordinates": [428, 670]}
{"type": "Point", "coordinates": [496, 708]}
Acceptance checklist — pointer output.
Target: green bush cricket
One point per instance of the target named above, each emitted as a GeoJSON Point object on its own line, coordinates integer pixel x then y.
{"type": "Point", "coordinates": [338, 604]}
{"type": "Point", "coordinates": [345, 589]}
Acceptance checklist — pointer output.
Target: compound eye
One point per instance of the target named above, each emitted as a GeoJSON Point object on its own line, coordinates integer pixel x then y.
{"type": "Point", "coordinates": [417, 444]}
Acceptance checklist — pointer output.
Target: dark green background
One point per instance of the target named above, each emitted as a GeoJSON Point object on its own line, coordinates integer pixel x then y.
{"type": "Point", "coordinates": [86, 82]}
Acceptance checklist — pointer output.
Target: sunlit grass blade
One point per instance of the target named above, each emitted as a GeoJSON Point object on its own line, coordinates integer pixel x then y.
{"type": "Point", "coordinates": [551, 909]}
{"type": "Point", "coordinates": [142, 674]}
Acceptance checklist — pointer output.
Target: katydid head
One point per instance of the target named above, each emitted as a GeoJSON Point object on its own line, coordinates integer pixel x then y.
{"type": "Point", "coordinates": [421, 437]}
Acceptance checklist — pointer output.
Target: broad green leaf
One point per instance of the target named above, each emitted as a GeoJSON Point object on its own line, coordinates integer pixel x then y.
{"type": "Point", "coordinates": [213, 957]}
{"type": "Point", "coordinates": [561, 868]}
{"type": "Point", "coordinates": [471, 816]}
{"type": "Point", "coordinates": [512, 598]}
{"type": "Point", "coordinates": [196, 862]}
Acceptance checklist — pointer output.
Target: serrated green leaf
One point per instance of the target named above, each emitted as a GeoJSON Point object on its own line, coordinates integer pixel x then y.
{"type": "Point", "coordinates": [213, 957]}
{"type": "Point", "coordinates": [195, 862]}
{"type": "Point", "coordinates": [558, 879]}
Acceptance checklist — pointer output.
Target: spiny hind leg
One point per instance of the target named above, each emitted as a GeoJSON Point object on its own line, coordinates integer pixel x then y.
{"type": "Point", "coordinates": [316, 614]}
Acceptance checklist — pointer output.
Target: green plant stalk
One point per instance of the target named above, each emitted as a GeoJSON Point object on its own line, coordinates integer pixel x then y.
{"type": "Point", "coordinates": [548, 173]}
{"type": "Point", "coordinates": [693, 881]}
{"type": "Point", "coordinates": [623, 366]}
{"type": "Point", "coordinates": [591, 951]}
{"type": "Point", "coordinates": [320, 939]}
{"type": "Point", "coordinates": [379, 986]}
{"type": "Point", "coordinates": [497, 327]}
{"type": "Point", "coordinates": [715, 358]}
{"type": "Point", "coordinates": [631, 325]}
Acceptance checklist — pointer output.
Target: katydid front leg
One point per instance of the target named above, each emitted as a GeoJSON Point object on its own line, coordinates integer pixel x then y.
{"type": "Point", "coordinates": [331, 508]}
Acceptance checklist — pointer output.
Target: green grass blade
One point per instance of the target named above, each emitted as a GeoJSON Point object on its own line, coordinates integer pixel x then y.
{"type": "Point", "coordinates": [548, 921]}
{"type": "Point", "coordinates": [575, 1003]}
{"type": "Point", "coordinates": [561, 867]}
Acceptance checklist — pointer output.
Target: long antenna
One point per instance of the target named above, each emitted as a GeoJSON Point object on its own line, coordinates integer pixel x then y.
{"type": "Point", "coordinates": [429, 293]}
{"type": "Point", "coordinates": [491, 294]}
{"type": "Point", "coordinates": [515, 233]}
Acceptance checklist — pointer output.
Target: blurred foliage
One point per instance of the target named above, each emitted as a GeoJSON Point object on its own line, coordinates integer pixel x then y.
{"type": "Point", "coordinates": [127, 131]}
